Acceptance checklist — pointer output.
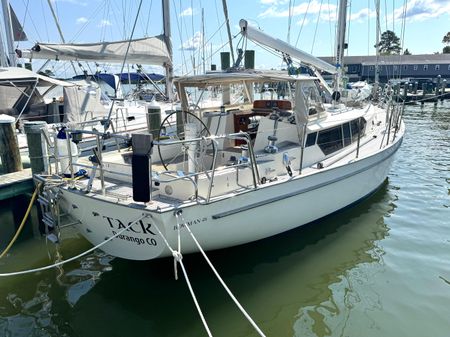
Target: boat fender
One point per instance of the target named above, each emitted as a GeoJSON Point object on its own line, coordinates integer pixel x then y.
{"type": "Point", "coordinates": [63, 150]}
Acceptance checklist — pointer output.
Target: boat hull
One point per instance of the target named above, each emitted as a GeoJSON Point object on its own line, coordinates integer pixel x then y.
{"type": "Point", "coordinates": [249, 216]}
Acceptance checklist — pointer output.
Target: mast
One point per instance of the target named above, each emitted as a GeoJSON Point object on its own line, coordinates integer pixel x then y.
{"type": "Point", "coordinates": [167, 36]}
{"type": "Point", "coordinates": [203, 40]}
{"type": "Point", "coordinates": [3, 60]}
{"type": "Point", "coordinates": [340, 44]}
{"type": "Point", "coordinates": [230, 40]}
{"type": "Point", "coordinates": [377, 51]}
{"type": "Point", "coordinates": [9, 33]}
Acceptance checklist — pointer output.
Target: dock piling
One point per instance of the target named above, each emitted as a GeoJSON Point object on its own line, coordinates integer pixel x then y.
{"type": "Point", "coordinates": [9, 146]}
{"type": "Point", "coordinates": [37, 149]}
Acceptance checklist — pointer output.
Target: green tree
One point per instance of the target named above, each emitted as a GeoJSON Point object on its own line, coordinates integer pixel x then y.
{"type": "Point", "coordinates": [446, 40]}
{"type": "Point", "coordinates": [407, 52]}
{"type": "Point", "coordinates": [389, 43]}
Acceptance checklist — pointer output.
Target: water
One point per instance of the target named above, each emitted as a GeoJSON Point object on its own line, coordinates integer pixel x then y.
{"type": "Point", "coordinates": [381, 268]}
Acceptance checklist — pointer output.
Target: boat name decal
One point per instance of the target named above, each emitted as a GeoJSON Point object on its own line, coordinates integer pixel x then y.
{"type": "Point", "coordinates": [190, 223]}
{"type": "Point", "coordinates": [142, 228]}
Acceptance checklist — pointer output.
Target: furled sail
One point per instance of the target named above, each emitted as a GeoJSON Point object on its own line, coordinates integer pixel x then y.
{"type": "Point", "coordinates": [18, 32]}
{"type": "Point", "coordinates": [150, 50]}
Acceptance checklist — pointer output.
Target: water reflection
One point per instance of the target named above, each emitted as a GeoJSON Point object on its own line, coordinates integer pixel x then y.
{"type": "Point", "coordinates": [274, 279]}
{"type": "Point", "coordinates": [285, 283]}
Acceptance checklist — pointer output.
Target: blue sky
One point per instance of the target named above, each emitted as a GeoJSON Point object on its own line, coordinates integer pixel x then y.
{"type": "Point", "coordinates": [312, 24]}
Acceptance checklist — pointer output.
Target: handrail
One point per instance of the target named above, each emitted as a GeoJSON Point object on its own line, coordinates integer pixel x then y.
{"type": "Point", "coordinates": [214, 138]}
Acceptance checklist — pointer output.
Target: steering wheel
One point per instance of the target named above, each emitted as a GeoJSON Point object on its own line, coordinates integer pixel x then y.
{"type": "Point", "coordinates": [203, 153]}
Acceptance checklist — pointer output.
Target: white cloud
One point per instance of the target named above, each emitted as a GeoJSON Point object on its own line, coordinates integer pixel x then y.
{"type": "Point", "coordinates": [194, 43]}
{"type": "Point", "coordinates": [188, 12]}
{"type": "Point", "coordinates": [104, 23]}
{"type": "Point", "coordinates": [421, 10]}
{"type": "Point", "coordinates": [362, 15]}
{"type": "Point", "coordinates": [81, 20]}
{"type": "Point", "coordinates": [313, 7]}
{"type": "Point", "coordinates": [303, 22]}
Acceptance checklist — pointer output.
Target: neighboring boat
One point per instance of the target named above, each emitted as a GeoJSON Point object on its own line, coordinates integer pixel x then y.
{"type": "Point", "coordinates": [29, 97]}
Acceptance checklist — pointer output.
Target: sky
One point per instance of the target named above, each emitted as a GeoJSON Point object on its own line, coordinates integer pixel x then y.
{"type": "Point", "coordinates": [308, 24]}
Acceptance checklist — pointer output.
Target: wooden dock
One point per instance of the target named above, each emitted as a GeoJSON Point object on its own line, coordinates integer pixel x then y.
{"type": "Point", "coordinates": [16, 183]}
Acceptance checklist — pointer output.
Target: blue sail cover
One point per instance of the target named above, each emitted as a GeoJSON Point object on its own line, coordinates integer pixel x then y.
{"type": "Point", "coordinates": [136, 77]}
{"type": "Point", "coordinates": [124, 78]}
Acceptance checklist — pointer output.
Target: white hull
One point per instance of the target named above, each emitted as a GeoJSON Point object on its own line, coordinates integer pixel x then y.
{"type": "Point", "coordinates": [272, 209]}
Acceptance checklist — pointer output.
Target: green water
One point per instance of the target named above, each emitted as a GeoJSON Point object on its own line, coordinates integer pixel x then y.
{"type": "Point", "coordinates": [381, 268]}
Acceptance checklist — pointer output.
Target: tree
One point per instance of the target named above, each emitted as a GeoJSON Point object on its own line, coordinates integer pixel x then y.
{"type": "Point", "coordinates": [446, 40]}
{"type": "Point", "coordinates": [389, 43]}
{"type": "Point", "coordinates": [407, 52]}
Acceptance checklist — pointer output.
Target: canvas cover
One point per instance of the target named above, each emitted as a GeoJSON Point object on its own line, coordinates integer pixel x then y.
{"type": "Point", "coordinates": [15, 75]}
{"type": "Point", "coordinates": [82, 103]}
{"type": "Point", "coordinates": [150, 50]}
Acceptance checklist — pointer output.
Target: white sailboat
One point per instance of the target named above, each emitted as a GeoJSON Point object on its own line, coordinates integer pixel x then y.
{"type": "Point", "coordinates": [245, 170]}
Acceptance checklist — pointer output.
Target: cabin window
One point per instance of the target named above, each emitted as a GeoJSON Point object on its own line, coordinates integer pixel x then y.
{"type": "Point", "coordinates": [425, 67]}
{"type": "Point", "coordinates": [416, 67]}
{"type": "Point", "coordinates": [405, 67]}
{"type": "Point", "coordinates": [330, 140]}
{"type": "Point", "coordinates": [346, 132]}
{"type": "Point", "coordinates": [311, 139]}
{"type": "Point", "coordinates": [436, 67]}
{"type": "Point", "coordinates": [354, 125]}
{"type": "Point", "coordinates": [395, 68]}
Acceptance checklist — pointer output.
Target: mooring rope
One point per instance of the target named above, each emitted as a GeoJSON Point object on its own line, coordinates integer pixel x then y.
{"type": "Point", "coordinates": [29, 271]}
{"type": "Point", "coordinates": [241, 308]}
{"type": "Point", "coordinates": [178, 258]}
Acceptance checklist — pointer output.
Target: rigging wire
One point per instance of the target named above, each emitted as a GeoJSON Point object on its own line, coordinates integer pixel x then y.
{"type": "Point", "coordinates": [184, 63]}
{"type": "Point", "coordinates": [88, 22]}
{"type": "Point", "coordinates": [317, 25]}
{"type": "Point", "coordinates": [385, 14]}
{"type": "Point", "coordinates": [45, 20]}
{"type": "Point", "coordinates": [34, 25]}
{"type": "Point", "coordinates": [368, 27]}
{"type": "Point", "coordinates": [218, 20]}
{"type": "Point", "coordinates": [125, 58]}
{"type": "Point", "coordinates": [23, 21]}
{"type": "Point", "coordinates": [393, 16]}
{"type": "Point", "coordinates": [303, 23]}
{"type": "Point", "coordinates": [331, 30]}
{"type": "Point", "coordinates": [291, 9]}
{"type": "Point", "coordinates": [402, 31]}
{"type": "Point", "coordinates": [148, 18]}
